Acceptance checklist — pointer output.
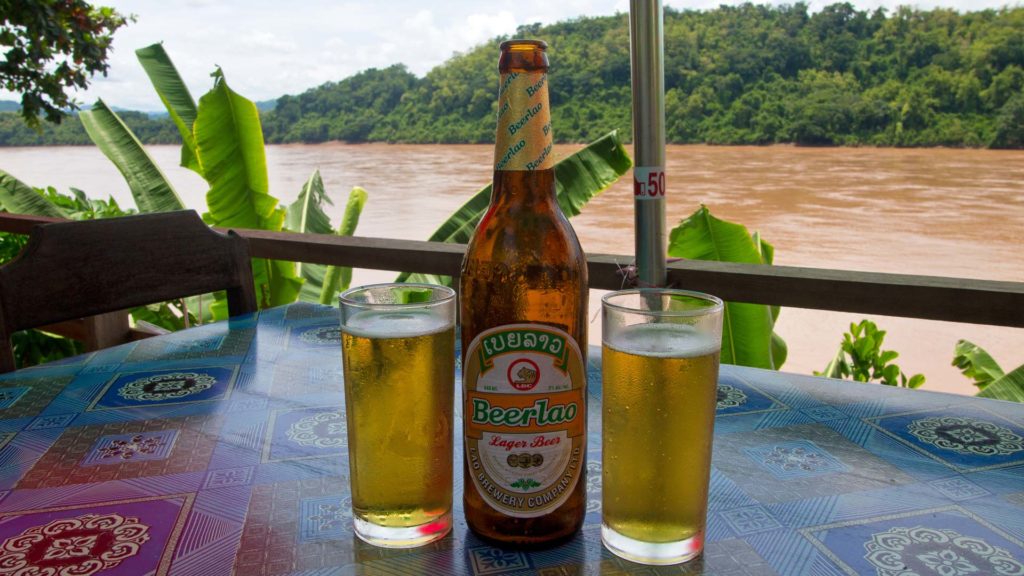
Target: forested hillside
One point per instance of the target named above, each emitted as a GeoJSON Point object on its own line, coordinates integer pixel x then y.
{"type": "Point", "coordinates": [14, 131]}
{"type": "Point", "coordinates": [734, 75]}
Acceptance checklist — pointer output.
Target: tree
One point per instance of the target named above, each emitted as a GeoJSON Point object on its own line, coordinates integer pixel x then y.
{"type": "Point", "coordinates": [52, 47]}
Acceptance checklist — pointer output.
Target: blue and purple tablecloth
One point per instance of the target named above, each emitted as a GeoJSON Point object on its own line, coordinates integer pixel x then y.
{"type": "Point", "coordinates": [222, 450]}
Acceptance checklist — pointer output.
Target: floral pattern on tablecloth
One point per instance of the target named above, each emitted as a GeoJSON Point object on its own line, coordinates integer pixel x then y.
{"type": "Point", "coordinates": [967, 435]}
{"type": "Point", "coordinates": [903, 551]}
{"type": "Point", "coordinates": [78, 546]}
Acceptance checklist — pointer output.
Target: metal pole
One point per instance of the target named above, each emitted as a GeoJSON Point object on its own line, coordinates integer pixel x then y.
{"type": "Point", "coordinates": [647, 47]}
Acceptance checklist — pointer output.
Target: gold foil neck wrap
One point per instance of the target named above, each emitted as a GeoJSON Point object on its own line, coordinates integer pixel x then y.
{"type": "Point", "coordinates": [523, 140]}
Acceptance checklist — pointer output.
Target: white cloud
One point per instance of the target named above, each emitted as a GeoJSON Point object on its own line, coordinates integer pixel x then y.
{"type": "Point", "coordinates": [480, 27]}
{"type": "Point", "coordinates": [422, 20]}
{"type": "Point", "coordinates": [262, 40]}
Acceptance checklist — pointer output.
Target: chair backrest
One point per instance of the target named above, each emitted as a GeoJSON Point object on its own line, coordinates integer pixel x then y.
{"type": "Point", "coordinates": [70, 270]}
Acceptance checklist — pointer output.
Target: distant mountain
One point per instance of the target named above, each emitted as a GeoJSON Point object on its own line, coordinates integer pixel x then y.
{"type": "Point", "coordinates": [9, 106]}
{"type": "Point", "coordinates": [749, 74]}
{"type": "Point", "coordinates": [14, 131]}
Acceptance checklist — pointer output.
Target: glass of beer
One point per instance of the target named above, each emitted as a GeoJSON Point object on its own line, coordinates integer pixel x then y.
{"type": "Point", "coordinates": [398, 351]}
{"type": "Point", "coordinates": [660, 351]}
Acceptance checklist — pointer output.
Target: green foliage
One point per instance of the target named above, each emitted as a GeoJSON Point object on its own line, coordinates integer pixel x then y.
{"type": "Point", "coordinates": [578, 178]}
{"type": "Point", "coordinates": [20, 198]}
{"type": "Point", "coordinates": [748, 74]}
{"type": "Point", "coordinates": [1010, 124]}
{"type": "Point", "coordinates": [348, 110]}
{"type": "Point", "coordinates": [1010, 387]}
{"type": "Point", "coordinates": [747, 329]}
{"type": "Point", "coordinates": [861, 358]}
{"type": "Point", "coordinates": [150, 188]}
{"type": "Point", "coordinates": [148, 129]}
{"type": "Point", "coordinates": [229, 146]}
{"type": "Point", "coordinates": [223, 142]}
{"type": "Point", "coordinates": [181, 107]}
{"type": "Point", "coordinates": [11, 245]}
{"type": "Point", "coordinates": [306, 215]}
{"type": "Point", "coordinates": [339, 278]}
{"type": "Point", "coordinates": [743, 74]}
{"type": "Point", "coordinates": [32, 347]}
{"type": "Point", "coordinates": [52, 47]}
{"type": "Point", "coordinates": [976, 364]}
{"type": "Point", "coordinates": [78, 206]}
{"type": "Point", "coordinates": [987, 375]}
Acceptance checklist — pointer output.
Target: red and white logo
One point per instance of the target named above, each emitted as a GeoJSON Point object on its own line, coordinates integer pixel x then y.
{"type": "Point", "coordinates": [523, 374]}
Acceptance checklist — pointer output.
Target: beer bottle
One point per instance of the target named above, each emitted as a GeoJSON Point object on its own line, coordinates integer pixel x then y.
{"type": "Point", "coordinates": [524, 331]}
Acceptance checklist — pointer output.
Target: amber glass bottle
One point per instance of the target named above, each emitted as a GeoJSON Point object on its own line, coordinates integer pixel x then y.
{"type": "Point", "coordinates": [524, 331]}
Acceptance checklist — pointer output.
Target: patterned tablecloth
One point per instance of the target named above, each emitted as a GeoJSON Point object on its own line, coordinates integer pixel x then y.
{"type": "Point", "coordinates": [222, 449]}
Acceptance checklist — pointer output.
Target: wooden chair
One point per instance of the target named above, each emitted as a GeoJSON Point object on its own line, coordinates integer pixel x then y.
{"type": "Point", "coordinates": [71, 270]}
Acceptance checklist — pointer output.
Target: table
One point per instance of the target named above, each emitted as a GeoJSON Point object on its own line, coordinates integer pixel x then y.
{"type": "Point", "coordinates": [221, 449]}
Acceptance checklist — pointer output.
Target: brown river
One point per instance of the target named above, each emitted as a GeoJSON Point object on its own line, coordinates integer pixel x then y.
{"type": "Point", "coordinates": [957, 213]}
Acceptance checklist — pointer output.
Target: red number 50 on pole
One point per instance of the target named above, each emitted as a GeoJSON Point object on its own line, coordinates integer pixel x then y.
{"type": "Point", "coordinates": [648, 182]}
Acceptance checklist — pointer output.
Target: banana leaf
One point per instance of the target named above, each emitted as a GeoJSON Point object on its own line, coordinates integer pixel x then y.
{"type": "Point", "coordinates": [578, 178]}
{"type": "Point", "coordinates": [306, 215]}
{"type": "Point", "coordinates": [780, 350]}
{"type": "Point", "coordinates": [175, 96]}
{"type": "Point", "coordinates": [746, 328]}
{"type": "Point", "coordinates": [162, 316]}
{"type": "Point", "coordinates": [19, 198]}
{"type": "Point", "coordinates": [976, 364]}
{"type": "Point", "coordinates": [837, 367]}
{"type": "Point", "coordinates": [229, 148]}
{"type": "Point", "coordinates": [339, 278]}
{"type": "Point", "coordinates": [1010, 387]}
{"type": "Point", "coordinates": [149, 186]}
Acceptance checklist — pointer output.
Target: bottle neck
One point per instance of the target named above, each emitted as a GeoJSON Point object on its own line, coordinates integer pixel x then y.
{"type": "Point", "coordinates": [523, 141]}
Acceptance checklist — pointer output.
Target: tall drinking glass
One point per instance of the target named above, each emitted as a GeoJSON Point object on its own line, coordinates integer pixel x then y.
{"type": "Point", "coordinates": [398, 350]}
{"type": "Point", "coordinates": [660, 351]}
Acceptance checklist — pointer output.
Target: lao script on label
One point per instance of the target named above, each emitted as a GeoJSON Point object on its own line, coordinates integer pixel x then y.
{"type": "Point", "coordinates": [525, 417]}
{"type": "Point", "coordinates": [523, 140]}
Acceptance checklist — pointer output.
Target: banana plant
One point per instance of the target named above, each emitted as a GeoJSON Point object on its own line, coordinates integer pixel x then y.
{"type": "Point", "coordinates": [150, 188]}
{"type": "Point", "coordinates": [578, 178]}
{"type": "Point", "coordinates": [339, 278]}
{"type": "Point", "coordinates": [231, 155]}
{"type": "Point", "coordinates": [222, 141]}
{"type": "Point", "coordinates": [748, 336]}
{"type": "Point", "coordinates": [987, 375]}
{"type": "Point", "coordinates": [20, 198]}
{"type": "Point", "coordinates": [175, 96]}
{"type": "Point", "coordinates": [306, 215]}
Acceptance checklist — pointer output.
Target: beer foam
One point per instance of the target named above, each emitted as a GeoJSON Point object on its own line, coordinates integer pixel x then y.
{"type": "Point", "coordinates": [406, 324]}
{"type": "Point", "coordinates": [663, 341]}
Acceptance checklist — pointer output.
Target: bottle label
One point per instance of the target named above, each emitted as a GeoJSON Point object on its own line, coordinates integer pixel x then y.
{"type": "Point", "coordinates": [523, 140]}
{"type": "Point", "coordinates": [525, 417]}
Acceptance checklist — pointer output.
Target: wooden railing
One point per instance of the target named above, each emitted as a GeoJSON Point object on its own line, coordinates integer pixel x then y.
{"type": "Point", "coordinates": [927, 297]}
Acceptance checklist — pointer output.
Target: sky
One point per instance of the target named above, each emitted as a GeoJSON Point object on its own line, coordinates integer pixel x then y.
{"type": "Point", "coordinates": [268, 48]}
